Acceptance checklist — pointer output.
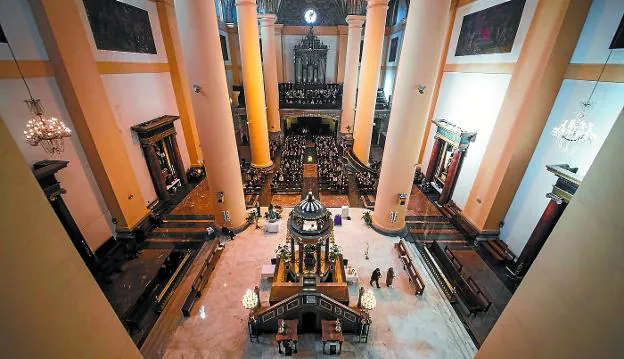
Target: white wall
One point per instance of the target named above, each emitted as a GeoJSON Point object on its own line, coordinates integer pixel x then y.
{"type": "Point", "coordinates": [288, 44]}
{"type": "Point", "coordinates": [139, 97]}
{"type": "Point", "coordinates": [608, 98]}
{"type": "Point", "coordinates": [83, 197]}
{"type": "Point", "coordinates": [471, 101]}
{"type": "Point", "coordinates": [530, 201]}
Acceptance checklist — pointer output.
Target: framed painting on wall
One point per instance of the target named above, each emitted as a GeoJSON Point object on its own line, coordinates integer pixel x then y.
{"type": "Point", "coordinates": [490, 31]}
{"type": "Point", "coordinates": [117, 26]}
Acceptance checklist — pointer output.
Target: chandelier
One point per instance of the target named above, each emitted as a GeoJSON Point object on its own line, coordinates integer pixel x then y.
{"type": "Point", "coordinates": [48, 132]}
{"type": "Point", "coordinates": [369, 302]}
{"type": "Point", "coordinates": [575, 131]}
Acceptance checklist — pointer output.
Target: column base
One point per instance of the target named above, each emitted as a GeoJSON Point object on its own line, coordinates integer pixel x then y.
{"type": "Point", "coordinates": [236, 229]}
{"type": "Point", "coordinates": [264, 168]}
{"type": "Point", "coordinates": [401, 232]}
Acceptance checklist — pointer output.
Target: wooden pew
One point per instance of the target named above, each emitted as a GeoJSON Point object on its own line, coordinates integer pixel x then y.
{"type": "Point", "coordinates": [202, 277]}
{"type": "Point", "coordinates": [464, 286]}
{"type": "Point", "coordinates": [499, 250]}
{"type": "Point", "coordinates": [412, 274]}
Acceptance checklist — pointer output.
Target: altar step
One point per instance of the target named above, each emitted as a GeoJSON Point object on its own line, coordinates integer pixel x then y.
{"type": "Point", "coordinates": [190, 233]}
{"type": "Point", "coordinates": [187, 223]}
{"type": "Point", "coordinates": [188, 217]}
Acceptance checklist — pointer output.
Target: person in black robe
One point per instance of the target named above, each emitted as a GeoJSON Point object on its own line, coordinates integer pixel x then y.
{"type": "Point", "coordinates": [375, 277]}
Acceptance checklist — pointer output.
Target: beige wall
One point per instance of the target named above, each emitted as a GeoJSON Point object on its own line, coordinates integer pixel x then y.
{"type": "Point", "coordinates": [51, 306]}
{"type": "Point", "coordinates": [139, 97]}
{"type": "Point", "coordinates": [83, 197]}
{"type": "Point", "coordinates": [569, 304]}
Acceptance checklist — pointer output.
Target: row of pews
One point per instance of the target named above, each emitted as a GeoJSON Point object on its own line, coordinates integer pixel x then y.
{"type": "Point", "coordinates": [461, 284]}
{"type": "Point", "coordinates": [201, 280]}
{"type": "Point", "coordinates": [408, 265]}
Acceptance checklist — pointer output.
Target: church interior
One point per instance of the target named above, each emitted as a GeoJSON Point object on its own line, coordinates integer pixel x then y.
{"type": "Point", "coordinates": [311, 178]}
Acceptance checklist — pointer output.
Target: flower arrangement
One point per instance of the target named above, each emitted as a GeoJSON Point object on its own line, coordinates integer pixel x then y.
{"type": "Point", "coordinates": [368, 219]}
{"type": "Point", "coordinates": [251, 217]}
{"type": "Point", "coordinates": [334, 251]}
{"type": "Point", "coordinates": [369, 302]}
{"type": "Point", "coordinates": [250, 300]}
{"type": "Point", "coordinates": [283, 251]}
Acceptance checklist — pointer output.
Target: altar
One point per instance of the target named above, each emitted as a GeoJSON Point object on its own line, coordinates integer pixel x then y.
{"type": "Point", "coordinates": [310, 261]}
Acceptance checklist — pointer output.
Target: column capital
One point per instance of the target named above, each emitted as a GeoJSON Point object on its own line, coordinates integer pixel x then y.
{"type": "Point", "coordinates": [355, 20]}
{"type": "Point", "coordinates": [267, 19]}
{"type": "Point", "coordinates": [377, 3]}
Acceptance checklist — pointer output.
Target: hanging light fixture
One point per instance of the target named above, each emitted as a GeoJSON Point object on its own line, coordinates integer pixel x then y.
{"type": "Point", "coordinates": [574, 132]}
{"type": "Point", "coordinates": [48, 132]}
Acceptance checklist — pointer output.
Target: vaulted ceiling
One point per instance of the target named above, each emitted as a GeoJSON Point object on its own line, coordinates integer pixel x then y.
{"type": "Point", "coordinates": [329, 12]}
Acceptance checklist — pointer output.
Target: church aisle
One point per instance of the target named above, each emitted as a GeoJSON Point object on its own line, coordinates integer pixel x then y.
{"type": "Point", "coordinates": [404, 325]}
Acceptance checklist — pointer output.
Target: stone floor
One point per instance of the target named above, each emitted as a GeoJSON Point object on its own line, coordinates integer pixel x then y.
{"type": "Point", "coordinates": [404, 325]}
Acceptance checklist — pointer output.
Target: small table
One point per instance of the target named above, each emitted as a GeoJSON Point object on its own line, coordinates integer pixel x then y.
{"type": "Point", "coordinates": [330, 334]}
{"type": "Point", "coordinates": [289, 335]}
{"type": "Point", "coordinates": [267, 271]}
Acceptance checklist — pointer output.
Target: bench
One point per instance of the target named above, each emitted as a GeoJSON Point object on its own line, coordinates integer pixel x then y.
{"type": "Point", "coordinates": [499, 250]}
{"type": "Point", "coordinates": [412, 274]}
{"type": "Point", "coordinates": [202, 278]}
{"type": "Point", "coordinates": [464, 286]}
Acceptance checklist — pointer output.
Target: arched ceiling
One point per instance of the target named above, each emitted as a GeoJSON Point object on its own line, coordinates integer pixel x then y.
{"type": "Point", "coordinates": [329, 12]}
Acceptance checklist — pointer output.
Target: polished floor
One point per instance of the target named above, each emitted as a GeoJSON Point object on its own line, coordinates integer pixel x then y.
{"type": "Point", "coordinates": [405, 326]}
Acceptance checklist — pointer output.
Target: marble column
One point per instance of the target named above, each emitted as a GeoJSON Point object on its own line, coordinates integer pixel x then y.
{"type": "Point", "coordinates": [352, 59]}
{"type": "Point", "coordinates": [540, 234]}
{"type": "Point", "coordinates": [343, 36]}
{"type": "Point", "coordinates": [433, 160]}
{"type": "Point", "coordinates": [421, 53]}
{"type": "Point", "coordinates": [278, 52]}
{"type": "Point", "coordinates": [451, 176]}
{"type": "Point", "coordinates": [369, 77]}
{"type": "Point", "coordinates": [269, 67]}
{"type": "Point", "coordinates": [253, 83]}
{"type": "Point", "coordinates": [201, 50]}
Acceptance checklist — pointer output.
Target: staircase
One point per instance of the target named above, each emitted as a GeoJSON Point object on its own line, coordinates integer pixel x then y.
{"type": "Point", "coordinates": [190, 227]}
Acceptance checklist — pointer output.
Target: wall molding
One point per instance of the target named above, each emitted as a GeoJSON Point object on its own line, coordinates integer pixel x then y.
{"type": "Point", "coordinates": [111, 67]}
{"type": "Point", "coordinates": [591, 72]}
{"type": "Point", "coordinates": [488, 68]}
{"type": "Point", "coordinates": [30, 68]}
{"type": "Point", "coordinates": [303, 30]}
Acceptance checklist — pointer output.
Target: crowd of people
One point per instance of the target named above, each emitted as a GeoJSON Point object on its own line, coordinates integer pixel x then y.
{"type": "Point", "coordinates": [332, 175]}
{"type": "Point", "coordinates": [274, 146]}
{"type": "Point", "coordinates": [252, 178]}
{"type": "Point", "coordinates": [367, 181]}
{"type": "Point", "coordinates": [329, 95]}
{"type": "Point", "coordinates": [288, 177]}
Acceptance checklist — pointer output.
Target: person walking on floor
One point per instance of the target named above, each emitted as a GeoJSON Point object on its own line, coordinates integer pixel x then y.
{"type": "Point", "coordinates": [390, 277]}
{"type": "Point", "coordinates": [375, 277]}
